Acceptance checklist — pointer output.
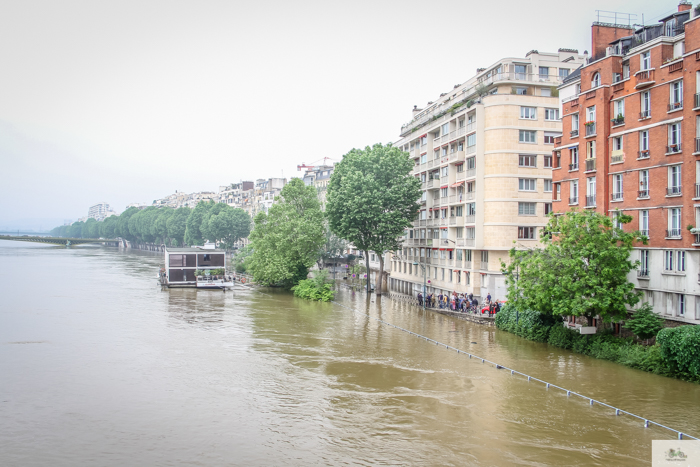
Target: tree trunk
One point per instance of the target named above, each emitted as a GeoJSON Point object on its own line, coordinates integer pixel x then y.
{"type": "Point", "coordinates": [380, 274]}
{"type": "Point", "coordinates": [367, 263]}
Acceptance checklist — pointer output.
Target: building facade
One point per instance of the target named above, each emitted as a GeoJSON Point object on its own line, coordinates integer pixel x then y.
{"type": "Point", "coordinates": [483, 153]}
{"type": "Point", "coordinates": [631, 119]}
{"type": "Point", "coordinates": [100, 212]}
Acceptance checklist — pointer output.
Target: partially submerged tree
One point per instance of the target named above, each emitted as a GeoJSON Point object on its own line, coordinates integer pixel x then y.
{"type": "Point", "coordinates": [644, 323]}
{"type": "Point", "coordinates": [286, 240]}
{"type": "Point", "coordinates": [372, 198]}
{"type": "Point", "coordinates": [334, 247]}
{"type": "Point", "coordinates": [582, 270]}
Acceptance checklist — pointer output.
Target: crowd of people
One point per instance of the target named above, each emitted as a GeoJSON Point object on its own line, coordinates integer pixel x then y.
{"type": "Point", "coordinates": [461, 303]}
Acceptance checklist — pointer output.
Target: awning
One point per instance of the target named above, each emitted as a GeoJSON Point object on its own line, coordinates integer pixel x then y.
{"type": "Point", "coordinates": [457, 184]}
{"type": "Point", "coordinates": [444, 186]}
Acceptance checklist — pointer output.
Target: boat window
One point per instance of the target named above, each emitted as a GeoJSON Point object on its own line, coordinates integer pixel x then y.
{"type": "Point", "coordinates": [207, 257]}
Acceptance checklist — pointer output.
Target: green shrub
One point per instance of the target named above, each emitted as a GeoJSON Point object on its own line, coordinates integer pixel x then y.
{"type": "Point", "coordinates": [319, 288]}
{"type": "Point", "coordinates": [681, 348]}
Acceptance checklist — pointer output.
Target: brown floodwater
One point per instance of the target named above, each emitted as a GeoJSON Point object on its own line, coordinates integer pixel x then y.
{"type": "Point", "coordinates": [99, 366]}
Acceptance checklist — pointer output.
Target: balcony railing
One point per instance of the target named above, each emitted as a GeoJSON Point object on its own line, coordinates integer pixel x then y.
{"type": "Point", "coordinates": [643, 154]}
{"type": "Point", "coordinates": [590, 201]}
{"type": "Point", "coordinates": [618, 121]}
{"type": "Point", "coordinates": [643, 193]}
{"type": "Point", "coordinates": [644, 78]}
{"type": "Point", "coordinates": [673, 191]}
{"type": "Point", "coordinates": [675, 106]}
{"type": "Point", "coordinates": [471, 173]}
{"type": "Point", "coordinates": [471, 149]}
{"type": "Point", "coordinates": [673, 233]}
{"type": "Point", "coordinates": [616, 196]}
{"type": "Point", "coordinates": [469, 195]}
{"type": "Point", "coordinates": [573, 166]}
{"type": "Point", "coordinates": [616, 158]}
{"type": "Point", "coordinates": [573, 133]}
{"type": "Point", "coordinates": [643, 273]}
{"type": "Point", "coordinates": [573, 200]}
{"type": "Point", "coordinates": [645, 233]}
{"type": "Point", "coordinates": [590, 130]}
{"type": "Point", "coordinates": [673, 148]}
{"type": "Point", "coordinates": [470, 219]}
{"type": "Point", "coordinates": [644, 114]}
{"type": "Point", "coordinates": [461, 175]}
{"type": "Point", "coordinates": [590, 165]}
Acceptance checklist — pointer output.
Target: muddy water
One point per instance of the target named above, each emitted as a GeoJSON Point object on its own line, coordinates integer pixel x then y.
{"type": "Point", "coordinates": [99, 366]}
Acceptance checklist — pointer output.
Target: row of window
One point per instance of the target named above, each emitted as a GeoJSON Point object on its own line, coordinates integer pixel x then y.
{"type": "Point", "coordinates": [530, 113]}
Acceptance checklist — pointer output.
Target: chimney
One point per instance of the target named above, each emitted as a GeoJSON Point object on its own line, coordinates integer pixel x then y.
{"type": "Point", "coordinates": [684, 5]}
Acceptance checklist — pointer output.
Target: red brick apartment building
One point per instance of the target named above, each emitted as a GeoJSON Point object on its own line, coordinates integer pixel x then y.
{"type": "Point", "coordinates": [631, 143]}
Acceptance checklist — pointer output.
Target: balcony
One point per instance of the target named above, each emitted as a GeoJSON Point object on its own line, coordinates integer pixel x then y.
{"type": "Point", "coordinates": [423, 222]}
{"type": "Point", "coordinates": [643, 273]}
{"type": "Point", "coordinates": [644, 154]}
{"type": "Point", "coordinates": [618, 121]}
{"type": "Point", "coordinates": [645, 233]}
{"type": "Point", "coordinates": [616, 196]}
{"type": "Point", "coordinates": [590, 129]}
{"type": "Point", "coordinates": [573, 167]}
{"type": "Point", "coordinates": [469, 242]}
{"type": "Point", "coordinates": [590, 201]}
{"type": "Point", "coordinates": [471, 149]}
{"type": "Point", "coordinates": [617, 158]}
{"type": "Point", "coordinates": [673, 233]}
{"type": "Point", "coordinates": [470, 219]}
{"type": "Point", "coordinates": [573, 200]}
{"type": "Point", "coordinates": [467, 265]}
{"type": "Point", "coordinates": [643, 193]}
{"type": "Point", "coordinates": [461, 176]}
{"type": "Point", "coordinates": [431, 164]}
{"type": "Point", "coordinates": [675, 106]}
{"type": "Point", "coordinates": [644, 114]}
{"type": "Point", "coordinates": [469, 195]}
{"type": "Point", "coordinates": [590, 165]}
{"type": "Point", "coordinates": [673, 191]}
{"type": "Point", "coordinates": [573, 133]}
{"type": "Point", "coordinates": [471, 173]}
{"type": "Point", "coordinates": [434, 183]}
{"type": "Point", "coordinates": [673, 148]}
{"type": "Point", "coordinates": [644, 78]}
{"type": "Point", "coordinates": [456, 220]}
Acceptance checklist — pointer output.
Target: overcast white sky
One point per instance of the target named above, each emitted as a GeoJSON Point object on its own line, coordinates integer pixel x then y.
{"type": "Point", "coordinates": [129, 101]}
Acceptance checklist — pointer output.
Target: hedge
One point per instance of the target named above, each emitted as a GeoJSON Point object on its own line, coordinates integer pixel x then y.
{"type": "Point", "coordinates": [676, 354]}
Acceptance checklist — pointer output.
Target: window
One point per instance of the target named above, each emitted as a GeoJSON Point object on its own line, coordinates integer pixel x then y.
{"type": "Point", "coordinates": [443, 192]}
{"type": "Point", "coordinates": [423, 158]}
{"type": "Point", "coordinates": [644, 260]}
{"type": "Point", "coordinates": [645, 105]}
{"type": "Point", "coordinates": [674, 223]}
{"type": "Point", "coordinates": [644, 61]}
{"type": "Point", "coordinates": [546, 92]}
{"type": "Point", "coordinates": [617, 143]}
{"type": "Point", "coordinates": [444, 151]}
{"type": "Point", "coordinates": [680, 261]}
{"type": "Point", "coordinates": [644, 143]}
{"type": "Point", "coordinates": [547, 208]}
{"type": "Point", "coordinates": [668, 260]}
{"type": "Point", "coordinates": [443, 171]}
{"type": "Point", "coordinates": [681, 304]}
{"type": "Point", "coordinates": [617, 77]}
{"type": "Point", "coordinates": [626, 71]}
{"type": "Point", "coordinates": [644, 183]}
{"type": "Point", "coordinates": [674, 138]}
{"type": "Point", "coordinates": [527, 161]}
{"type": "Point", "coordinates": [520, 91]}
{"type": "Point", "coordinates": [616, 218]}
{"type": "Point", "coordinates": [670, 27]}
{"type": "Point", "coordinates": [573, 192]}
{"type": "Point", "coordinates": [617, 187]}
{"type": "Point", "coordinates": [676, 95]}
{"type": "Point", "coordinates": [423, 140]}
{"type": "Point", "coordinates": [527, 209]}
{"type": "Point", "coordinates": [574, 158]}
{"type": "Point", "coordinates": [549, 137]}
{"type": "Point", "coordinates": [527, 136]}
{"type": "Point", "coordinates": [471, 140]}
{"type": "Point", "coordinates": [471, 209]}
{"type": "Point", "coordinates": [551, 114]}
{"type": "Point", "coordinates": [547, 162]}
{"type": "Point", "coordinates": [544, 73]}
{"type": "Point", "coordinates": [459, 210]}
{"type": "Point", "coordinates": [674, 180]}
{"type": "Point", "coordinates": [460, 233]}
{"type": "Point", "coordinates": [563, 73]}
{"type": "Point", "coordinates": [470, 235]}
{"type": "Point", "coordinates": [590, 113]}
{"type": "Point", "coordinates": [471, 163]}
{"type": "Point", "coordinates": [527, 184]}
{"type": "Point", "coordinates": [644, 222]}
{"type": "Point", "coordinates": [529, 113]}
{"type": "Point", "coordinates": [595, 82]}
{"type": "Point", "coordinates": [574, 124]}
{"type": "Point", "coordinates": [591, 189]}
{"type": "Point", "coordinates": [520, 72]}
{"type": "Point", "coordinates": [485, 257]}
{"type": "Point", "coordinates": [547, 185]}
{"type": "Point", "coordinates": [619, 111]}
{"type": "Point", "coordinates": [445, 128]}
{"type": "Point", "coordinates": [526, 233]}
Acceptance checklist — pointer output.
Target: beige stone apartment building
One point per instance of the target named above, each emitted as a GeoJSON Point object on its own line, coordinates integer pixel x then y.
{"type": "Point", "coordinates": [483, 152]}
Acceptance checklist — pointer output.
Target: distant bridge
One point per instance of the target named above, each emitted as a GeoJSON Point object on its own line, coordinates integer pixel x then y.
{"type": "Point", "coordinates": [60, 240]}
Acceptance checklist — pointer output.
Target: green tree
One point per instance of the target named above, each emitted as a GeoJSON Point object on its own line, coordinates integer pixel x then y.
{"type": "Point", "coordinates": [177, 225]}
{"type": "Point", "coordinates": [159, 229]}
{"type": "Point", "coordinates": [286, 241]}
{"type": "Point", "coordinates": [76, 230]}
{"type": "Point", "coordinates": [122, 227]}
{"type": "Point", "coordinates": [108, 226]}
{"type": "Point", "coordinates": [582, 270]}
{"type": "Point", "coordinates": [91, 229]}
{"type": "Point", "coordinates": [372, 198]}
{"type": "Point", "coordinates": [644, 323]}
{"type": "Point", "coordinates": [228, 225]}
{"type": "Point", "coordinates": [193, 232]}
{"type": "Point", "coordinates": [334, 247]}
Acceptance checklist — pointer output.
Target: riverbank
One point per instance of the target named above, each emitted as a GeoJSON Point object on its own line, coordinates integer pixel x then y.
{"type": "Point", "coordinates": [657, 359]}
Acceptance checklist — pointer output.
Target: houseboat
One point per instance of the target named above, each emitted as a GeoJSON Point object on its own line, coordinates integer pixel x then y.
{"type": "Point", "coordinates": [197, 267]}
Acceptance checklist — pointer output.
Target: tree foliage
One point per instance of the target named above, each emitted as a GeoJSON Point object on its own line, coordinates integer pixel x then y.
{"type": "Point", "coordinates": [681, 346]}
{"type": "Point", "coordinates": [581, 271]}
{"type": "Point", "coordinates": [644, 323]}
{"type": "Point", "coordinates": [319, 288]}
{"type": "Point", "coordinates": [286, 240]}
{"type": "Point", "coordinates": [372, 198]}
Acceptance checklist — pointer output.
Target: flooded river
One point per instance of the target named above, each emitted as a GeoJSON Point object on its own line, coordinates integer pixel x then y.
{"type": "Point", "coordinates": [100, 367]}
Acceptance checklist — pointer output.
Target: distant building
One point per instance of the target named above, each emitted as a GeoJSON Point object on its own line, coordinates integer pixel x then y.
{"type": "Point", "coordinates": [318, 177]}
{"type": "Point", "coordinates": [100, 212]}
